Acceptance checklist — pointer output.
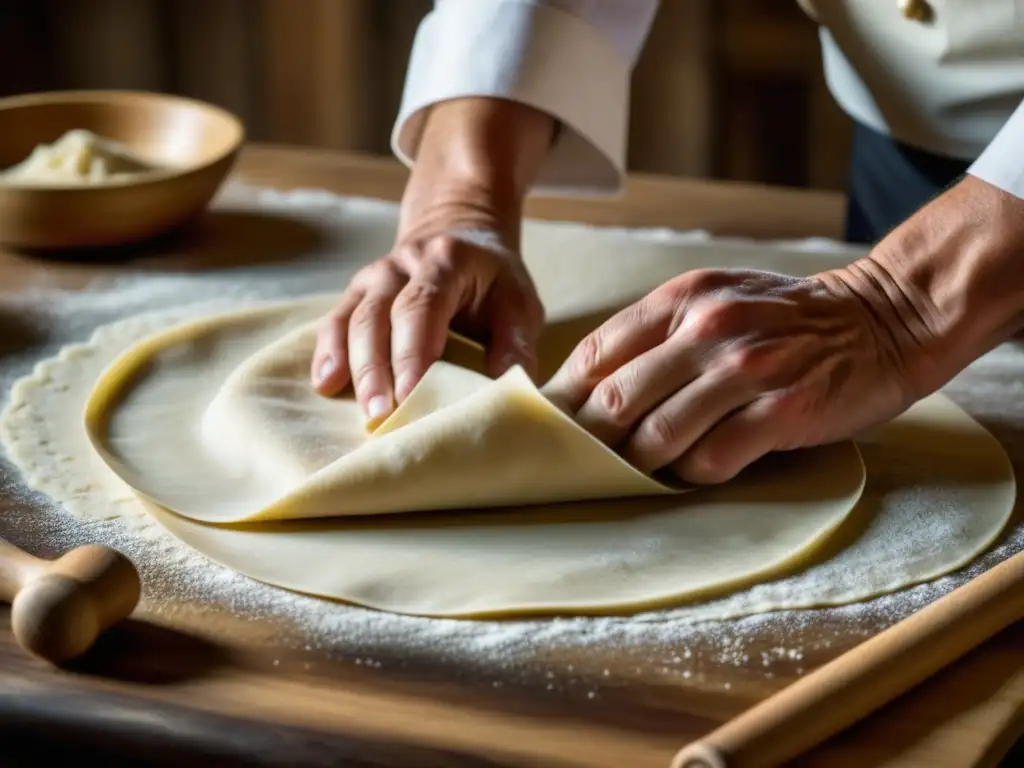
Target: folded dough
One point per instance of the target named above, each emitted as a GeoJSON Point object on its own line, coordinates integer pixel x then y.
{"type": "Point", "coordinates": [265, 446]}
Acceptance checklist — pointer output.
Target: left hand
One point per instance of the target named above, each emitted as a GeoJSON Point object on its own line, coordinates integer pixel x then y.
{"type": "Point", "coordinates": [716, 368]}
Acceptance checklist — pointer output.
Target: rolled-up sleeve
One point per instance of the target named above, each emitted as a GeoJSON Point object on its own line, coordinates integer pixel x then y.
{"type": "Point", "coordinates": [571, 59]}
{"type": "Point", "coordinates": [1002, 161]}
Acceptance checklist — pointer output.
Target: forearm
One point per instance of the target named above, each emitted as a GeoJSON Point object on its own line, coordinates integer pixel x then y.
{"type": "Point", "coordinates": [477, 159]}
{"type": "Point", "coordinates": [953, 275]}
{"type": "Point", "coordinates": [571, 59]}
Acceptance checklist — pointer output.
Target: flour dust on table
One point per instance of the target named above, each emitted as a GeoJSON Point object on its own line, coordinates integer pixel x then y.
{"type": "Point", "coordinates": [930, 505]}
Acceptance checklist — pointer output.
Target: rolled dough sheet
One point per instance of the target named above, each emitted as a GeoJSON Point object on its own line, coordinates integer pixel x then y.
{"type": "Point", "coordinates": [932, 470]}
{"type": "Point", "coordinates": [216, 422]}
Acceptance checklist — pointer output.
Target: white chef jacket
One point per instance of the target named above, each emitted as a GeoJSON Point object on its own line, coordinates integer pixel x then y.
{"type": "Point", "coordinates": [952, 86]}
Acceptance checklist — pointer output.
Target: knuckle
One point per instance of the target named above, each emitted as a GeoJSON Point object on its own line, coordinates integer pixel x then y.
{"type": "Point", "coordinates": [713, 320]}
{"type": "Point", "coordinates": [704, 467]}
{"type": "Point", "coordinates": [782, 408]}
{"type": "Point", "coordinates": [416, 295]}
{"type": "Point", "coordinates": [589, 355]}
{"type": "Point", "coordinates": [696, 282]}
{"type": "Point", "coordinates": [380, 274]}
{"type": "Point", "coordinates": [364, 373]}
{"type": "Point", "coordinates": [658, 431]}
{"type": "Point", "coordinates": [405, 359]}
{"type": "Point", "coordinates": [369, 311]}
{"type": "Point", "coordinates": [446, 254]}
{"type": "Point", "coordinates": [365, 276]}
{"type": "Point", "coordinates": [612, 400]}
{"type": "Point", "coordinates": [745, 362]}
{"type": "Point", "coordinates": [779, 404]}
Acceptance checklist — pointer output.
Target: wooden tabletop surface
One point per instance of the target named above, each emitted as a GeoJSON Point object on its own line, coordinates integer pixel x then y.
{"type": "Point", "coordinates": [205, 685]}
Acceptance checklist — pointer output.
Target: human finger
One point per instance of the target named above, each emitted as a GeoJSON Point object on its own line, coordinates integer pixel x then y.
{"type": "Point", "coordinates": [516, 319]}
{"type": "Point", "coordinates": [329, 368]}
{"type": "Point", "coordinates": [420, 318]}
{"type": "Point", "coordinates": [626, 335]}
{"type": "Point", "coordinates": [739, 440]}
{"type": "Point", "coordinates": [623, 399]}
{"type": "Point", "coordinates": [674, 426]}
{"type": "Point", "coordinates": [369, 349]}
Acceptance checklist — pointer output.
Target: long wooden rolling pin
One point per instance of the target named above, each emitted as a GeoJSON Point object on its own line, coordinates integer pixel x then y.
{"type": "Point", "coordinates": [838, 694]}
{"type": "Point", "coordinates": [59, 607]}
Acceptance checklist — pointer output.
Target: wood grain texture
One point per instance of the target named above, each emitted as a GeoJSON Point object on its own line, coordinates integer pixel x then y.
{"type": "Point", "coordinates": [117, 44]}
{"type": "Point", "coordinates": [190, 682]}
{"type": "Point", "coordinates": [215, 55]}
{"type": "Point", "coordinates": [876, 672]}
{"type": "Point", "coordinates": [672, 101]}
{"type": "Point", "coordinates": [316, 58]}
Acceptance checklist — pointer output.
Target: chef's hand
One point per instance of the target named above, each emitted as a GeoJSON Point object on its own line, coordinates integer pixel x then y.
{"type": "Point", "coordinates": [456, 262]}
{"type": "Point", "coordinates": [717, 368]}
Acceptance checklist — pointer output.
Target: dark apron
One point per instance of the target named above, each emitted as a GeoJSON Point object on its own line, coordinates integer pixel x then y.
{"type": "Point", "coordinates": [888, 181]}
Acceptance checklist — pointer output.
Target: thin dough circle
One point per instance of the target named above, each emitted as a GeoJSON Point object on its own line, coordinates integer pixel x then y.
{"type": "Point", "coordinates": [215, 426]}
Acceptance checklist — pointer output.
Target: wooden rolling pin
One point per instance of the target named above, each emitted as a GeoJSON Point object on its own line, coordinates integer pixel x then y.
{"type": "Point", "coordinates": [838, 694]}
{"type": "Point", "coordinates": [59, 607]}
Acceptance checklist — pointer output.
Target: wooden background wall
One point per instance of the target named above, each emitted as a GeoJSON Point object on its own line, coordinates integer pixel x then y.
{"type": "Point", "coordinates": [726, 89]}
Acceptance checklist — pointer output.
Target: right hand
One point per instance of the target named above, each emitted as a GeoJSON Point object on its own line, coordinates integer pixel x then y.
{"type": "Point", "coordinates": [392, 321]}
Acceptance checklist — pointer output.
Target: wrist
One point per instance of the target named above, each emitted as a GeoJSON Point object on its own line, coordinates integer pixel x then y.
{"type": "Point", "coordinates": [950, 279]}
{"type": "Point", "coordinates": [475, 164]}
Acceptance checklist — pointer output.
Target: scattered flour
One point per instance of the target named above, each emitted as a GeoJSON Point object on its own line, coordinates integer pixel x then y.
{"type": "Point", "coordinates": [687, 643]}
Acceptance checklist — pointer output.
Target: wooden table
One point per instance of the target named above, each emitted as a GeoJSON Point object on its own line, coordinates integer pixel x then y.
{"type": "Point", "coordinates": [207, 687]}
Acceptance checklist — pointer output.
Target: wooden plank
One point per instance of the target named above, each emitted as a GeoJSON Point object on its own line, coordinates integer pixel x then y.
{"type": "Point", "coordinates": [395, 24]}
{"type": "Point", "coordinates": [672, 117]}
{"type": "Point", "coordinates": [316, 57]}
{"type": "Point", "coordinates": [109, 44]}
{"type": "Point", "coordinates": [26, 64]}
{"type": "Point", "coordinates": [213, 57]}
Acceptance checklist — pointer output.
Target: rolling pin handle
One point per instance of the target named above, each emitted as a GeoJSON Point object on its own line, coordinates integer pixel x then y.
{"type": "Point", "coordinates": [851, 686]}
{"type": "Point", "coordinates": [60, 607]}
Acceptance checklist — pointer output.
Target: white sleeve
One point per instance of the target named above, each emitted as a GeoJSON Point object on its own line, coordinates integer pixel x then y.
{"type": "Point", "coordinates": [569, 58]}
{"type": "Point", "coordinates": [1002, 161]}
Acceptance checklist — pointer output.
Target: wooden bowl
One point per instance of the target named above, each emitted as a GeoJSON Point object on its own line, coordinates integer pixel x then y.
{"type": "Point", "coordinates": [194, 145]}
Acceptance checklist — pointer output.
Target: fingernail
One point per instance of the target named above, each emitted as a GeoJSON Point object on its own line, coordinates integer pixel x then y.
{"type": "Point", "coordinates": [325, 370]}
{"type": "Point", "coordinates": [378, 407]}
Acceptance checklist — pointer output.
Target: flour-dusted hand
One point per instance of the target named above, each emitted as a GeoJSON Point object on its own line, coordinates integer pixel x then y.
{"type": "Point", "coordinates": [716, 368]}
{"type": "Point", "coordinates": [456, 263]}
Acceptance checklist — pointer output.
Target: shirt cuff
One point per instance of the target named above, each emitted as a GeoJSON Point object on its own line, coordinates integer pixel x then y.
{"type": "Point", "coordinates": [1002, 161]}
{"type": "Point", "coordinates": [535, 55]}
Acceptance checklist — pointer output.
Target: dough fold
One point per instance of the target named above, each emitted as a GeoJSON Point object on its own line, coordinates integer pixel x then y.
{"type": "Point", "coordinates": [273, 449]}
